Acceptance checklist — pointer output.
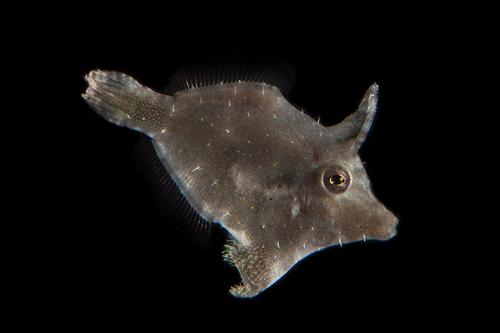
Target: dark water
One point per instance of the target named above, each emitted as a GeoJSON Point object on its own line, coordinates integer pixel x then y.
{"type": "Point", "coordinates": [112, 252]}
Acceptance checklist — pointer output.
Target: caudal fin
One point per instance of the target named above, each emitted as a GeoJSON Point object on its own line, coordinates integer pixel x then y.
{"type": "Point", "coordinates": [123, 101]}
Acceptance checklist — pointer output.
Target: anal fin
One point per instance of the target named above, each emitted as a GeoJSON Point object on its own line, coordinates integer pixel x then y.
{"type": "Point", "coordinates": [173, 204]}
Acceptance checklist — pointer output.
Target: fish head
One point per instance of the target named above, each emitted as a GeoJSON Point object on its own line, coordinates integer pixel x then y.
{"type": "Point", "coordinates": [346, 205]}
{"type": "Point", "coordinates": [341, 203]}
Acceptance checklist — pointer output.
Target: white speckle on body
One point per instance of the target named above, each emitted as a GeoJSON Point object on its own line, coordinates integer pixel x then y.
{"type": "Point", "coordinates": [364, 237]}
{"type": "Point", "coordinates": [295, 210]}
{"type": "Point", "coordinates": [241, 236]}
{"type": "Point", "coordinates": [278, 245]}
{"type": "Point", "coordinates": [201, 100]}
{"type": "Point", "coordinates": [215, 182]}
{"type": "Point", "coordinates": [263, 226]}
{"type": "Point", "coordinates": [163, 131]}
{"type": "Point", "coordinates": [229, 103]}
{"type": "Point", "coordinates": [275, 116]}
{"type": "Point", "coordinates": [263, 90]}
{"type": "Point", "coordinates": [196, 169]}
{"type": "Point", "coordinates": [340, 241]}
{"type": "Point", "coordinates": [227, 131]}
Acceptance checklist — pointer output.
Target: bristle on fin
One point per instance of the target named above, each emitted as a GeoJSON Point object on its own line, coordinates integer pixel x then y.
{"type": "Point", "coordinates": [174, 206]}
{"type": "Point", "coordinates": [279, 74]}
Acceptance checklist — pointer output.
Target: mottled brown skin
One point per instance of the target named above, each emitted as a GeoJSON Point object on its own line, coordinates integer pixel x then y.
{"type": "Point", "coordinates": [247, 159]}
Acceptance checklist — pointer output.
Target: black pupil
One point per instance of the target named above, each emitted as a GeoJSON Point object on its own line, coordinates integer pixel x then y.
{"type": "Point", "coordinates": [337, 180]}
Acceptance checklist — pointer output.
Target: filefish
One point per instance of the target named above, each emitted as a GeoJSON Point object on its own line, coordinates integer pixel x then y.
{"type": "Point", "coordinates": [240, 155]}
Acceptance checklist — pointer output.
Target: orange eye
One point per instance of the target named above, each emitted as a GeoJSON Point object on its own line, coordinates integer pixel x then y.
{"type": "Point", "coordinates": [336, 180]}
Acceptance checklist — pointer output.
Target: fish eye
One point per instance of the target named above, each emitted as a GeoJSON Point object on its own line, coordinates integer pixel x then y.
{"type": "Point", "coordinates": [336, 180]}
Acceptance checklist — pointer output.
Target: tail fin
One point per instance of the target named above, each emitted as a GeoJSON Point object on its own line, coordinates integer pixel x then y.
{"type": "Point", "coordinates": [123, 101]}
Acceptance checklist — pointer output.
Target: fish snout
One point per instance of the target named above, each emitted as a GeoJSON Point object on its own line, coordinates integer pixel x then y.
{"type": "Point", "coordinates": [391, 224]}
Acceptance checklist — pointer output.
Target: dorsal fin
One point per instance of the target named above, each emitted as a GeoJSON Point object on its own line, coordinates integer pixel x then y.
{"type": "Point", "coordinates": [173, 204]}
{"type": "Point", "coordinates": [275, 73]}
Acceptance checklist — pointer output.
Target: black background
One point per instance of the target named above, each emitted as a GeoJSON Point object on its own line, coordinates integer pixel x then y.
{"type": "Point", "coordinates": [111, 252]}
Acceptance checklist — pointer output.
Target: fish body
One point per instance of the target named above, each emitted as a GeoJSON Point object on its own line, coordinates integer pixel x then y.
{"type": "Point", "coordinates": [282, 184]}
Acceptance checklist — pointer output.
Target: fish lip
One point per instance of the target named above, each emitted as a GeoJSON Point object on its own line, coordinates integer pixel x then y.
{"type": "Point", "coordinates": [389, 233]}
{"type": "Point", "coordinates": [392, 233]}
{"type": "Point", "coordinates": [393, 229]}
{"type": "Point", "coordinates": [384, 236]}
{"type": "Point", "coordinates": [393, 225]}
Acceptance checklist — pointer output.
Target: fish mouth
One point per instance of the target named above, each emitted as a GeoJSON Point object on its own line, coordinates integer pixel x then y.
{"type": "Point", "coordinates": [392, 230]}
{"type": "Point", "coordinates": [391, 225]}
{"type": "Point", "coordinates": [387, 231]}
{"type": "Point", "coordinates": [383, 236]}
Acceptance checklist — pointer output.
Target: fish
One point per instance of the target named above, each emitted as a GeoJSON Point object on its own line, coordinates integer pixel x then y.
{"type": "Point", "coordinates": [243, 157]}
